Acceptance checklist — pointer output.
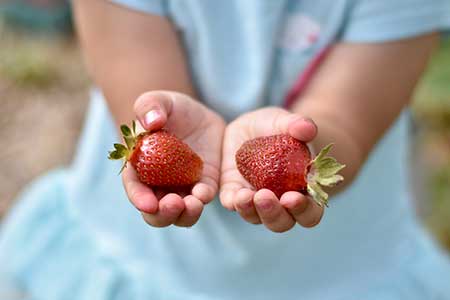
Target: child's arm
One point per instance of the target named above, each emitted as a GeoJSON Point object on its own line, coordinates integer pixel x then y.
{"type": "Point", "coordinates": [128, 54]}
{"type": "Point", "coordinates": [355, 96]}
{"type": "Point", "coordinates": [358, 93]}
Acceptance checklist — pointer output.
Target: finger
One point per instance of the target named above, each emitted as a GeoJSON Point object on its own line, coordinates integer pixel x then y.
{"type": "Point", "coordinates": [226, 197]}
{"type": "Point", "coordinates": [206, 189]}
{"type": "Point", "coordinates": [152, 109]}
{"type": "Point", "coordinates": [231, 182]}
{"type": "Point", "coordinates": [228, 193]}
{"type": "Point", "coordinates": [192, 211]}
{"type": "Point", "coordinates": [303, 129]}
{"type": "Point", "coordinates": [243, 203]}
{"type": "Point", "coordinates": [140, 195]}
{"type": "Point", "coordinates": [295, 203]}
{"type": "Point", "coordinates": [272, 213]}
{"type": "Point", "coordinates": [204, 192]}
{"type": "Point", "coordinates": [170, 208]}
{"type": "Point", "coordinates": [305, 210]}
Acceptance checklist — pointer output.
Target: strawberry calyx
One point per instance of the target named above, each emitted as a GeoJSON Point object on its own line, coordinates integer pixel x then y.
{"type": "Point", "coordinates": [324, 172]}
{"type": "Point", "coordinates": [124, 151]}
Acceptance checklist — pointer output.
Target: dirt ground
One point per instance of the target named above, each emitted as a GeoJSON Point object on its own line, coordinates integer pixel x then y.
{"type": "Point", "coordinates": [40, 115]}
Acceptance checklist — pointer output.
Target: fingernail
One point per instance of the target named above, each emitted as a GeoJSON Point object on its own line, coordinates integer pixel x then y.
{"type": "Point", "coordinates": [246, 205]}
{"type": "Point", "coordinates": [151, 117]}
{"type": "Point", "coordinates": [264, 204]}
{"type": "Point", "coordinates": [290, 203]}
{"type": "Point", "coordinates": [311, 121]}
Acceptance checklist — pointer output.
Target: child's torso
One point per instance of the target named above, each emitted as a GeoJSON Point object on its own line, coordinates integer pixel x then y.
{"type": "Point", "coordinates": [237, 68]}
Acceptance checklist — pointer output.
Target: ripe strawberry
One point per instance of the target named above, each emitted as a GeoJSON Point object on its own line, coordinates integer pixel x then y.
{"type": "Point", "coordinates": [282, 163]}
{"type": "Point", "coordinates": [159, 158]}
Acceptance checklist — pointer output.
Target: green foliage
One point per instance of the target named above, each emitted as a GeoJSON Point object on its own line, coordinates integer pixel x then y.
{"type": "Point", "coordinates": [27, 60]}
{"type": "Point", "coordinates": [432, 97]}
{"type": "Point", "coordinates": [325, 169]}
{"type": "Point", "coordinates": [432, 108]}
{"type": "Point", "coordinates": [129, 135]}
{"type": "Point", "coordinates": [123, 152]}
{"type": "Point", "coordinates": [27, 67]}
{"type": "Point", "coordinates": [438, 221]}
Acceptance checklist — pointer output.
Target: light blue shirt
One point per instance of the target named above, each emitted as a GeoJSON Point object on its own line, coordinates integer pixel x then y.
{"type": "Point", "coordinates": [74, 235]}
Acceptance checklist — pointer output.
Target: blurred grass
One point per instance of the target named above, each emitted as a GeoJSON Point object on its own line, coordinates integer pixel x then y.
{"type": "Point", "coordinates": [431, 109]}
{"type": "Point", "coordinates": [27, 63]}
{"type": "Point", "coordinates": [440, 193]}
{"type": "Point", "coordinates": [28, 68]}
{"type": "Point", "coordinates": [432, 98]}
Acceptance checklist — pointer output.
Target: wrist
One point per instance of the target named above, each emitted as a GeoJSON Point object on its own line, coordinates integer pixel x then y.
{"type": "Point", "coordinates": [346, 149]}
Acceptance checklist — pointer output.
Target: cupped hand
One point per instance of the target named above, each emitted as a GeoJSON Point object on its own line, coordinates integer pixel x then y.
{"type": "Point", "coordinates": [263, 206]}
{"type": "Point", "coordinates": [202, 130]}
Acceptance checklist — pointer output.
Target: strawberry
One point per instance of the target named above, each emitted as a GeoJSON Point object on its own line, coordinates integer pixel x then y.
{"type": "Point", "coordinates": [159, 158]}
{"type": "Point", "coordinates": [282, 163]}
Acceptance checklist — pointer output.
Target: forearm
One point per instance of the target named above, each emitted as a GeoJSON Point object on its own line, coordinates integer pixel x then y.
{"type": "Point", "coordinates": [332, 129]}
{"type": "Point", "coordinates": [128, 53]}
{"type": "Point", "coordinates": [122, 91]}
{"type": "Point", "coordinates": [358, 93]}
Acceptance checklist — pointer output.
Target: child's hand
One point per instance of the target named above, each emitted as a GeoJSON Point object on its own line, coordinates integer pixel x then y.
{"type": "Point", "coordinates": [198, 127]}
{"type": "Point", "coordinates": [263, 206]}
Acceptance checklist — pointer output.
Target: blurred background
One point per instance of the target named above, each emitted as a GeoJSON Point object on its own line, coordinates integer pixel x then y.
{"type": "Point", "coordinates": [44, 93]}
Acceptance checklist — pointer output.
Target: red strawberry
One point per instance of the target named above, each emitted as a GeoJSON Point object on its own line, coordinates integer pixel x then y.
{"type": "Point", "coordinates": [281, 163]}
{"type": "Point", "coordinates": [159, 158]}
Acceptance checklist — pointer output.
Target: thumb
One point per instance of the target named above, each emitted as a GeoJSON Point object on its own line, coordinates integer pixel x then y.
{"type": "Point", "coordinates": [302, 128]}
{"type": "Point", "coordinates": [299, 127]}
{"type": "Point", "coordinates": [152, 109]}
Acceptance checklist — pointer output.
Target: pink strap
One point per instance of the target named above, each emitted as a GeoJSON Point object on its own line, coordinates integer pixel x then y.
{"type": "Point", "coordinates": [305, 77]}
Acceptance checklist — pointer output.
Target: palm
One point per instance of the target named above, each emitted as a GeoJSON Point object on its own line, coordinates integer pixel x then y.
{"type": "Point", "coordinates": [263, 206]}
{"type": "Point", "coordinates": [263, 122]}
{"type": "Point", "coordinates": [202, 130]}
